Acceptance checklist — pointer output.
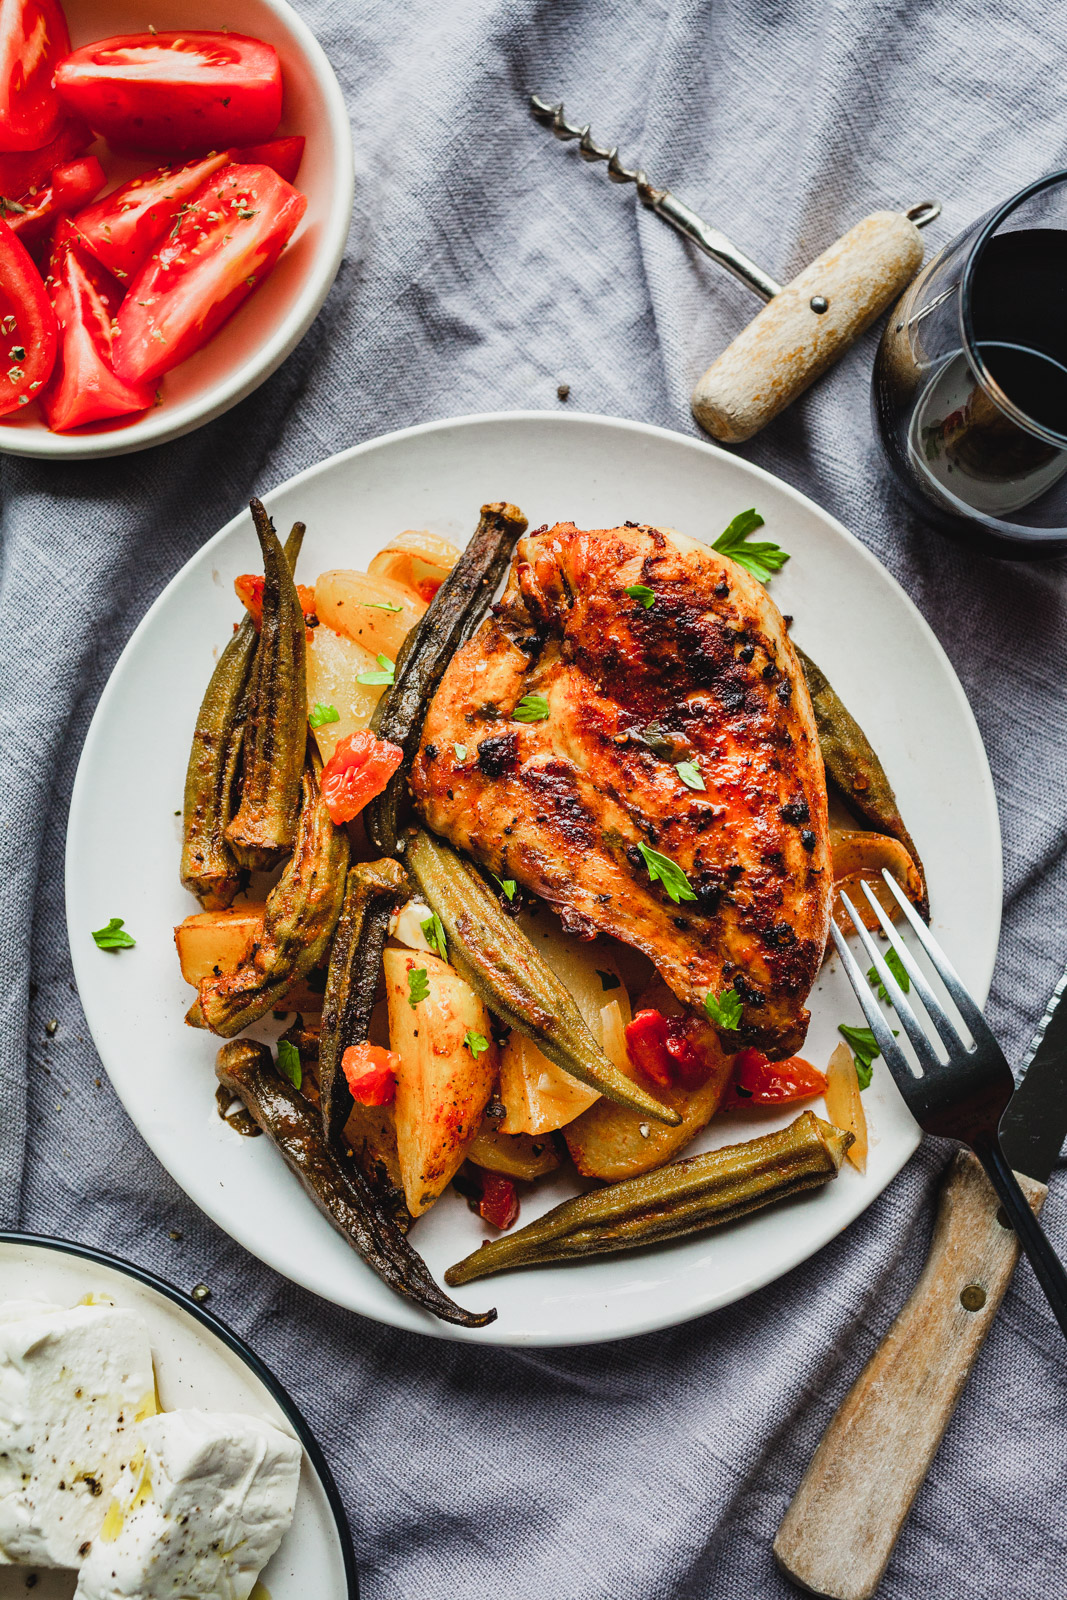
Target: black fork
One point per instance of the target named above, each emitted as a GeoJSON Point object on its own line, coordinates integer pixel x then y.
{"type": "Point", "coordinates": [962, 1098]}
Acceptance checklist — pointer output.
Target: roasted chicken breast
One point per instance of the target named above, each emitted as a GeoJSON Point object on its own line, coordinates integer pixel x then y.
{"type": "Point", "coordinates": [586, 732]}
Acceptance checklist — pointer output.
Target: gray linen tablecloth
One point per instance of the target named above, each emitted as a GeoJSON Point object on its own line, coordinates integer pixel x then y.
{"type": "Point", "coordinates": [485, 266]}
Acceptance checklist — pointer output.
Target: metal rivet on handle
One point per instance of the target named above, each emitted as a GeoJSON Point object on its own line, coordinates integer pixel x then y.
{"type": "Point", "coordinates": [973, 1297]}
{"type": "Point", "coordinates": [819, 304]}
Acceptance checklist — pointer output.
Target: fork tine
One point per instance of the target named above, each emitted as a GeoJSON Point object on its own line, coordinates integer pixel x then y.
{"type": "Point", "coordinates": [908, 1020]}
{"type": "Point", "coordinates": [895, 1059]}
{"type": "Point", "coordinates": [980, 1029]}
{"type": "Point", "coordinates": [938, 1016]}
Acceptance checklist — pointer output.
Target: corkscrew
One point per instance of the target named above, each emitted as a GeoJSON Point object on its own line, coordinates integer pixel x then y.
{"type": "Point", "coordinates": [806, 324]}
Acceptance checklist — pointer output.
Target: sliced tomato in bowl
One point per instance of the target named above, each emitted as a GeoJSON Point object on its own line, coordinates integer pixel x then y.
{"type": "Point", "coordinates": [84, 386]}
{"type": "Point", "coordinates": [70, 186]}
{"type": "Point", "coordinates": [28, 333]}
{"type": "Point", "coordinates": [283, 156]}
{"type": "Point", "coordinates": [175, 91]}
{"type": "Point", "coordinates": [227, 240]}
{"type": "Point", "coordinates": [22, 171]}
{"type": "Point", "coordinates": [121, 229]}
{"type": "Point", "coordinates": [33, 39]}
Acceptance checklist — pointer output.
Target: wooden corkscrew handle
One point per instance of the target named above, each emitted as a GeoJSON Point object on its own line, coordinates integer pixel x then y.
{"type": "Point", "coordinates": [807, 326]}
{"type": "Point", "coordinates": [838, 1534]}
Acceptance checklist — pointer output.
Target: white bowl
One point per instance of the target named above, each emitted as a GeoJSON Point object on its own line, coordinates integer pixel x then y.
{"type": "Point", "coordinates": [273, 320]}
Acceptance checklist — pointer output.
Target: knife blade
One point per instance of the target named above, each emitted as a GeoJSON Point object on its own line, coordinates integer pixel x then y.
{"type": "Point", "coordinates": [1034, 1125]}
{"type": "Point", "coordinates": [839, 1532]}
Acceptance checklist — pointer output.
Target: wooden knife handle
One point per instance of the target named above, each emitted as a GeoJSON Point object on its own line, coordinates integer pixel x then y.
{"type": "Point", "coordinates": [791, 342]}
{"type": "Point", "coordinates": [838, 1534]}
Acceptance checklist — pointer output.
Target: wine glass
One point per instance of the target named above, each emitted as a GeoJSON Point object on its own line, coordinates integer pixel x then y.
{"type": "Point", "coordinates": [970, 381]}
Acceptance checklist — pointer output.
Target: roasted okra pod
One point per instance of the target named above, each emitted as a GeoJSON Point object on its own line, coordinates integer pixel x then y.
{"type": "Point", "coordinates": [688, 1196]}
{"type": "Point", "coordinates": [341, 1192]}
{"type": "Point", "coordinates": [853, 767]}
{"type": "Point", "coordinates": [301, 913]}
{"type": "Point", "coordinates": [209, 867]}
{"type": "Point", "coordinates": [427, 650]}
{"type": "Point", "coordinates": [275, 735]}
{"type": "Point", "coordinates": [372, 894]}
{"type": "Point", "coordinates": [500, 964]}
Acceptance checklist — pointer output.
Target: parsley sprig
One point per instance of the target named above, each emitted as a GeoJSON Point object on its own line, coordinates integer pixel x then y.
{"type": "Point", "coordinates": [669, 873]}
{"type": "Point", "coordinates": [865, 1051]}
{"type": "Point", "coordinates": [476, 1043]}
{"type": "Point", "coordinates": [381, 605]}
{"type": "Point", "coordinates": [433, 931]}
{"type": "Point", "coordinates": [689, 773]}
{"type": "Point", "coordinates": [508, 885]}
{"type": "Point", "coordinates": [724, 1010]}
{"type": "Point", "coordinates": [641, 592]}
{"type": "Point", "coordinates": [762, 560]}
{"type": "Point", "coordinates": [320, 714]}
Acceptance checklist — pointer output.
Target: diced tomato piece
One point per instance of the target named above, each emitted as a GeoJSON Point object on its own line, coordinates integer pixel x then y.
{"type": "Point", "coordinates": [121, 228]}
{"type": "Point", "coordinates": [226, 242]}
{"type": "Point", "coordinates": [71, 185]}
{"type": "Point", "coordinates": [28, 332]}
{"type": "Point", "coordinates": [663, 1050]}
{"type": "Point", "coordinates": [371, 1073]}
{"type": "Point", "coordinates": [84, 387]}
{"type": "Point", "coordinates": [499, 1205]}
{"type": "Point", "coordinates": [759, 1082]}
{"type": "Point", "coordinates": [191, 90]}
{"type": "Point", "coordinates": [249, 587]}
{"type": "Point", "coordinates": [33, 38]}
{"type": "Point", "coordinates": [23, 172]}
{"type": "Point", "coordinates": [359, 768]}
{"type": "Point", "coordinates": [283, 156]}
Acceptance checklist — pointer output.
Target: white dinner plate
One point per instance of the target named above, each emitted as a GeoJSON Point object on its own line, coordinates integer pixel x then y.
{"type": "Point", "coordinates": [122, 858]}
{"type": "Point", "coordinates": [200, 1364]}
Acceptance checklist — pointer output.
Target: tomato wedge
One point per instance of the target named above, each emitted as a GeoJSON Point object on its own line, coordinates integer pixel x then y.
{"type": "Point", "coordinates": [121, 229]}
{"type": "Point", "coordinates": [371, 1074]}
{"type": "Point", "coordinates": [70, 186]}
{"type": "Point", "coordinates": [499, 1205]}
{"type": "Point", "coordinates": [28, 333]}
{"type": "Point", "coordinates": [760, 1082]}
{"type": "Point", "coordinates": [660, 1047]}
{"type": "Point", "coordinates": [84, 387]}
{"type": "Point", "coordinates": [23, 172]}
{"type": "Point", "coordinates": [359, 768]}
{"type": "Point", "coordinates": [175, 91]}
{"type": "Point", "coordinates": [33, 38]}
{"type": "Point", "coordinates": [225, 243]}
{"type": "Point", "coordinates": [283, 156]}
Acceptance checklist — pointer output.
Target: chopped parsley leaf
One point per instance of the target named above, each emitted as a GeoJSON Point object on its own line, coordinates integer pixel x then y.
{"type": "Point", "coordinates": [384, 676]}
{"type": "Point", "coordinates": [381, 605]}
{"type": "Point", "coordinates": [433, 931]}
{"type": "Point", "coordinates": [418, 986]}
{"type": "Point", "coordinates": [475, 1042]}
{"type": "Point", "coordinates": [289, 1062]}
{"type": "Point", "coordinates": [508, 885]}
{"type": "Point", "coordinates": [896, 967]}
{"type": "Point", "coordinates": [320, 714]}
{"type": "Point", "coordinates": [113, 937]}
{"type": "Point", "coordinates": [531, 708]}
{"type": "Point", "coordinates": [461, 751]}
{"type": "Point", "coordinates": [865, 1050]}
{"type": "Point", "coordinates": [689, 773]}
{"type": "Point", "coordinates": [641, 591]}
{"type": "Point", "coordinates": [669, 874]}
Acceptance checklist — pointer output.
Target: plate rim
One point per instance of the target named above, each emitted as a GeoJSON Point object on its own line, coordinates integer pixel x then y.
{"type": "Point", "coordinates": [233, 1341]}
{"type": "Point", "coordinates": [495, 1334]}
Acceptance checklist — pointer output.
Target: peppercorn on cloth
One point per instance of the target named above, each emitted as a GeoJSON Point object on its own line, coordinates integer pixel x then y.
{"type": "Point", "coordinates": [486, 267]}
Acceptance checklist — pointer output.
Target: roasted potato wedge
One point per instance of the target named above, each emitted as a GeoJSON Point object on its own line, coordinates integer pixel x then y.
{"type": "Point", "coordinates": [211, 942]}
{"type": "Point", "coordinates": [334, 664]}
{"type": "Point", "coordinates": [443, 1087]}
{"type": "Point", "coordinates": [515, 1155]}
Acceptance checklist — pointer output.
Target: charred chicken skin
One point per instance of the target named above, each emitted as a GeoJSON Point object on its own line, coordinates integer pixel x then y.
{"type": "Point", "coordinates": [557, 747]}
